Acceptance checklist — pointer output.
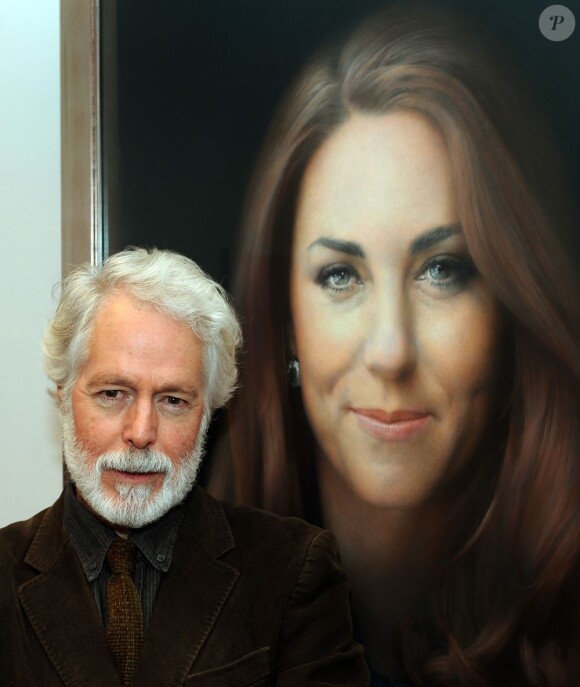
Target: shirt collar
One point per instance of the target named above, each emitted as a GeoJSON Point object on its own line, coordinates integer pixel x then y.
{"type": "Point", "coordinates": [156, 541]}
{"type": "Point", "coordinates": [91, 538]}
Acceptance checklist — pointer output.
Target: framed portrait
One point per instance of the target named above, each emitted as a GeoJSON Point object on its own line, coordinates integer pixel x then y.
{"type": "Point", "coordinates": [410, 367]}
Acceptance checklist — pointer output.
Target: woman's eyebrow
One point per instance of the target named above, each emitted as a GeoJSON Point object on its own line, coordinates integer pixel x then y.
{"type": "Point", "coordinates": [433, 236]}
{"type": "Point", "coordinates": [348, 247]}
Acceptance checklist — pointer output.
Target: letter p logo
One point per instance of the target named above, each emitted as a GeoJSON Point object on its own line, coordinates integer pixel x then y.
{"type": "Point", "coordinates": [557, 23]}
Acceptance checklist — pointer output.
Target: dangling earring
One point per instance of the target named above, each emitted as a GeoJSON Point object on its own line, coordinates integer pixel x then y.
{"type": "Point", "coordinates": [293, 371]}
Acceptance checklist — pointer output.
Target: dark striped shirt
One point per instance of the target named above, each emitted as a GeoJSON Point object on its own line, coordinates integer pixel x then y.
{"type": "Point", "coordinates": [91, 538]}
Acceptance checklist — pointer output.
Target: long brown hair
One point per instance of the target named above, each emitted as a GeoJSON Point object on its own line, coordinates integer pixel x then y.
{"type": "Point", "coordinates": [504, 606]}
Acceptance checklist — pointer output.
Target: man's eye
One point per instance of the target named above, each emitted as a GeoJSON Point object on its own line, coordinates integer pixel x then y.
{"type": "Point", "coordinates": [339, 278]}
{"type": "Point", "coordinates": [175, 403]}
{"type": "Point", "coordinates": [110, 395]}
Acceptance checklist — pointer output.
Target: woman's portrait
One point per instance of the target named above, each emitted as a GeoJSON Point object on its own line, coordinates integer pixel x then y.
{"type": "Point", "coordinates": [388, 191]}
{"type": "Point", "coordinates": [411, 372]}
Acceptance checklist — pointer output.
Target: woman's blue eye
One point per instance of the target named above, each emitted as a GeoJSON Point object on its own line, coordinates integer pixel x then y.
{"type": "Point", "coordinates": [447, 272]}
{"type": "Point", "coordinates": [338, 278]}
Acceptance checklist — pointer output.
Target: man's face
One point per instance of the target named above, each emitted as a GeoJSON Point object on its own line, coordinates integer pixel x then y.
{"type": "Point", "coordinates": [132, 438]}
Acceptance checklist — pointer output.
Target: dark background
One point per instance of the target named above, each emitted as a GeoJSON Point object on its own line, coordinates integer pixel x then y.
{"type": "Point", "coordinates": [195, 84]}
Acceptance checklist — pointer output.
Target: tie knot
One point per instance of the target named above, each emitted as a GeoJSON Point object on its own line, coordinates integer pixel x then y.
{"type": "Point", "coordinates": [121, 557]}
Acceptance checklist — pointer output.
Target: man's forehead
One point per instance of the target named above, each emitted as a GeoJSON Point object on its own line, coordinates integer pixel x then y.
{"type": "Point", "coordinates": [132, 341]}
{"type": "Point", "coordinates": [119, 302]}
{"type": "Point", "coordinates": [120, 312]}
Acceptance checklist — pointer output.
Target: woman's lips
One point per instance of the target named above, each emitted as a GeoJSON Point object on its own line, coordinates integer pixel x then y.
{"type": "Point", "coordinates": [398, 425]}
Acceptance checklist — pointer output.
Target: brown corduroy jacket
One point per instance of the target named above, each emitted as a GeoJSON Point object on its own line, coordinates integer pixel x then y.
{"type": "Point", "coordinates": [249, 599]}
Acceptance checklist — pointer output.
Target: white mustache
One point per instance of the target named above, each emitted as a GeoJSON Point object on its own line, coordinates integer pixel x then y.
{"type": "Point", "coordinates": [146, 460]}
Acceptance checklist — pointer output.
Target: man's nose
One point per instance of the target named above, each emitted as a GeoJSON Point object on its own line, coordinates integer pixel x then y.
{"type": "Point", "coordinates": [140, 429]}
{"type": "Point", "coordinates": [389, 347]}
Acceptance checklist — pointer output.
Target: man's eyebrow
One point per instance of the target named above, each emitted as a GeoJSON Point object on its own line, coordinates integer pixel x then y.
{"type": "Point", "coordinates": [174, 389]}
{"type": "Point", "coordinates": [432, 237]}
{"type": "Point", "coordinates": [109, 380]}
{"type": "Point", "coordinates": [124, 382]}
{"type": "Point", "coordinates": [348, 247]}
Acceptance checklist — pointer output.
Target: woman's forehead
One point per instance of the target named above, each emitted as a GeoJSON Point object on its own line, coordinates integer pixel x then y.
{"type": "Point", "coordinates": [376, 173]}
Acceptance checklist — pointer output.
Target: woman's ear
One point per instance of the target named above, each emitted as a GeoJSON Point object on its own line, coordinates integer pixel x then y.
{"type": "Point", "coordinates": [290, 340]}
{"type": "Point", "coordinates": [292, 363]}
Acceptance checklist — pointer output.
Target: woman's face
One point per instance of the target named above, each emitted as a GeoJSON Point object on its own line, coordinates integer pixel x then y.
{"type": "Point", "coordinates": [397, 335]}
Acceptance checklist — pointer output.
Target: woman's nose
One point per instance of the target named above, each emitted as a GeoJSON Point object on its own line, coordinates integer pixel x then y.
{"type": "Point", "coordinates": [389, 347]}
{"type": "Point", "coordinates": [140, 428]}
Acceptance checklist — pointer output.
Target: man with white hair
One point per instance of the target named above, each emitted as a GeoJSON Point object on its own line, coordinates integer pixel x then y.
{"type": "Point", "coordinates": [135, 576]}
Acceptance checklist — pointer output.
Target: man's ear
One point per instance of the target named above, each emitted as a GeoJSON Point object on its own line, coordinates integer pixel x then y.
{"type": "Point", "coordinates": [59, 393]}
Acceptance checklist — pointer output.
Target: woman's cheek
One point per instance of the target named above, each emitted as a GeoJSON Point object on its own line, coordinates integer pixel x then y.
{"type": "Point", "coordinates": [328, 340]}
{"type": "Point", "coordinates": [461, 346]}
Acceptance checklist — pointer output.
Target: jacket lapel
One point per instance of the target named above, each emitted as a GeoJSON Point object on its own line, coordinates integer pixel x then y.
{"type": "Point", "coordinates": [61, 608]}
{"type": "Point", "coordinates": [191, 597]}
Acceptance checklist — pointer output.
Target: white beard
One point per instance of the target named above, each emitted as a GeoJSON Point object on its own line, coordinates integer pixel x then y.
{"type": "Point", "coordinates": [131, 506]}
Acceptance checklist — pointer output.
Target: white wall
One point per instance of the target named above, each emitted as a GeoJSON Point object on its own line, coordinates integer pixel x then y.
{"type": "Point", "coordinates": [30, 463]}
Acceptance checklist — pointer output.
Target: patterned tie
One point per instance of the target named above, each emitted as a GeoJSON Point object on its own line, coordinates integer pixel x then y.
{"type": "Point", "coordinates": [125, 615]}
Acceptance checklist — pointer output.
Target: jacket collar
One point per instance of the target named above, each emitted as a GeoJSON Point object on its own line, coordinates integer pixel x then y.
{"type": "Point", "coordinates": [192, 594]}
{"type": "Point", "coordinates": [49, 540]}
{"type": "Point", "coordinates": [61, 609]}
{"type": "Point", "coordinates": [207, 522]}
